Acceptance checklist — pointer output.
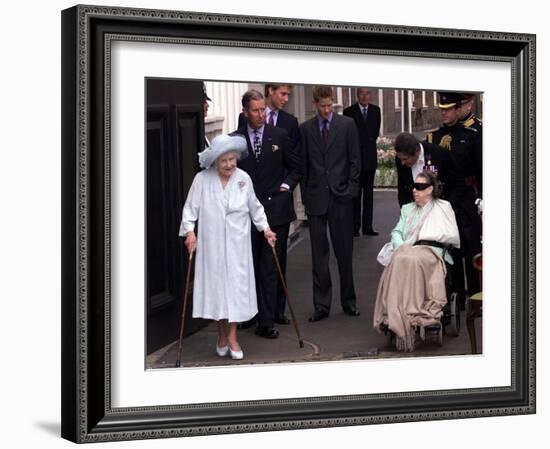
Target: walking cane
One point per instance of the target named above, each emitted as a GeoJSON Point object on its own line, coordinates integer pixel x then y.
{"type": "Point", "coordinates": [185, 294]}
{"type": "Point", "coordinates": [283, 283]}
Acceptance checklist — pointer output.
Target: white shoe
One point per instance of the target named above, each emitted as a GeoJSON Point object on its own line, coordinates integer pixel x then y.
{"type": "Point", "coordinates": [236, 355]}
{"type": "Point", "coordinates": [223, 351]}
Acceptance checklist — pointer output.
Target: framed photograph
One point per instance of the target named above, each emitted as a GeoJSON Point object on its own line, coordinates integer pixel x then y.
{"type": "Point", "coordinates": [128, 76]}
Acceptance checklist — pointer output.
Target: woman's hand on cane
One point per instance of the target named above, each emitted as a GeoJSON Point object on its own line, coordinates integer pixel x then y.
{"type": "Point", "coordinates": [190, 242]}
{"type": "Point", "coordinates": [270, 236]}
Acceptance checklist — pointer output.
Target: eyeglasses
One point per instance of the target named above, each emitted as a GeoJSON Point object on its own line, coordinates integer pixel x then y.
{"type": "Point", "coordinates": [421, 185]}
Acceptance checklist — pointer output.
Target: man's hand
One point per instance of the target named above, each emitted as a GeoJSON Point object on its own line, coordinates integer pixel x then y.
{"type": "Point", "coordinates": [270, 236]}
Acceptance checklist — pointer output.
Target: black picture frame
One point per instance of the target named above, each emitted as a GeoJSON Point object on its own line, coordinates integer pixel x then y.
{"type": "Point", "coordinates": [87, 414]}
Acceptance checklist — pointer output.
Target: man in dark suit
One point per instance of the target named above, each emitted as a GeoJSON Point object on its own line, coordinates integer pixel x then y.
{"type": "Point", "coordinates": [332, 166]}
{"type": "Point", "coordinates": [277, 96]}
{"type": "Point", "coordinates": [367, 119]}
{"type": "Point", "coordinates": [275, 169]}
{"type": "Point", "coordinates": [413, 157]}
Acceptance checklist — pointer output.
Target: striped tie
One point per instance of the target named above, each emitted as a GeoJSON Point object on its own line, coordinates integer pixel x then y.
{"type": "Point", "coordinates": [257, 144]}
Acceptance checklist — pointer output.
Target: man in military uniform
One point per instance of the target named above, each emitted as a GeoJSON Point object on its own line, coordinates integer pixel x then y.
{"type": "Point", "coordinates": [464, 145]}
{"type": "Point", "coordinates": [469, 120]}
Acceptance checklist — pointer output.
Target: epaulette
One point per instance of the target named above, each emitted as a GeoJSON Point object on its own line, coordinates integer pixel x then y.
{"type": "Point", "coordinates": [469, 122]}
{"type": "Point", "coordinates": [470, 129]}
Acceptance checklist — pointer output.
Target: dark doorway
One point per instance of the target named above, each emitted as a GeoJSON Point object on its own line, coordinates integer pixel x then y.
{"type": "Point", "coordinates": [174, 136]}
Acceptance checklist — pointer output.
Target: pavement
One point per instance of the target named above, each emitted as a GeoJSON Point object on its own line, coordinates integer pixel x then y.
{"type": "Point", "coordinates": [339, 337]}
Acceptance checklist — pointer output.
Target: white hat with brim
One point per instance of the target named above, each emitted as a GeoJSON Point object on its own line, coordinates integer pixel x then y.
{"type": "Point", "coordinates": [220, 145]}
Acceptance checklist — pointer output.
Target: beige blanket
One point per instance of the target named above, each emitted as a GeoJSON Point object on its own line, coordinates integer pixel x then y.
{"type": "Point", "coordinates": [411, 293]}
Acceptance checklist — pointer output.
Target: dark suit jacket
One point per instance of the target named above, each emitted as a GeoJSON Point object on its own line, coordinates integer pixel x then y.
{"type": "Point", "coordinates": [332, 169]}
{"type": "Point", "coordinates": [284, 120]}
{"type": "Point", "coordinates": [369, 130]}
{"type": "Point", "coordinates": [278, 163]}
{"type": "Point", "coordinates": [435, 159]}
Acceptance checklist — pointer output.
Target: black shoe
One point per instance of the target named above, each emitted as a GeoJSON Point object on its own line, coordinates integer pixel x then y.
{"type": "Point", "coordinates": [318, 315]}
{"type": "Point", "coordinates": [356, 234]}
{"type": "Point", "coordinates": [370, 232]}
{"type": "Point", "coordinates": [352, 311]}
{"type": "Point", "coordinates": [247, 324]}
{"type": "Point", "coordinates": [267, 332]}
{"type": "Point", "coordinates": [282, 319]}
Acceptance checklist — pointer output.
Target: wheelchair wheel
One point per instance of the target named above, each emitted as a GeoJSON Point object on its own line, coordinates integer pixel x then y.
{"type": "Point", "coordinates": [439, 337]}
{"type": "Point", "coordinates": [453, 327]}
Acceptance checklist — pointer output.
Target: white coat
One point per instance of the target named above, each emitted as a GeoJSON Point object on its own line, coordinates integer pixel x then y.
{"type": "Point", "coordinates": [224, 286]}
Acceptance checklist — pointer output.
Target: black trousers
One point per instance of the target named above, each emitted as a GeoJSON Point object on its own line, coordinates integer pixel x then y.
{"type": "Point", "coordinates": [469, 227]}
{"type": "Point", "coordinates": [265, 272]}
{"type": "Point", "coordinates": [339, 218]}
{"type": "Point", "coordinates": [362, 219]}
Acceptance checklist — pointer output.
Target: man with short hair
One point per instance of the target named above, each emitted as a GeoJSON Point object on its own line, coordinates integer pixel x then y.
{"type": "Point", "coordinates": [412, 157]}
{"type": "Point", "coordinates": [464, 146]}
{"type": "Point", "coordinates": [460, 141]}
{"type": "Point", "coordinates": [275, 168]}
{"type": "Point", "coordinates": [332, 166]}
{"type": "Point", "coordinates": [469, 120]}
{"type": "Point", "coordinates": [277, 96]}
{"type": "Point", "coordinates": [367, 119]}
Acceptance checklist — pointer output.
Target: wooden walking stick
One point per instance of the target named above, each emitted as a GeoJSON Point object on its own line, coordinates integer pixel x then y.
{"type": "Point", "coordinates": [283, 283]}
{"type": "Point", "coordinates": [185, 294]}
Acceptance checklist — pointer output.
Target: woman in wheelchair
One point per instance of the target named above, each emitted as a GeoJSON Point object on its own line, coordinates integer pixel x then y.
{"type": "Point", "coordinates": [411, 292]}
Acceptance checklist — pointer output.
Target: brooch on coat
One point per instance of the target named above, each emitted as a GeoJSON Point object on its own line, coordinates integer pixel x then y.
{"type": "Point", "coordinates": [274, 148]}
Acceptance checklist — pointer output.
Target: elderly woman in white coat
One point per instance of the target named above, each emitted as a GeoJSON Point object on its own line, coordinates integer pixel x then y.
{"type": "Point", "coordinates": [223, 202]}
{"type": "Point", "coordinates": [411, 291]}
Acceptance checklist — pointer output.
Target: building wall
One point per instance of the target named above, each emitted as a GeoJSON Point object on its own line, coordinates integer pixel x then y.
{"type": "Point", "coordinates": [414, 111]}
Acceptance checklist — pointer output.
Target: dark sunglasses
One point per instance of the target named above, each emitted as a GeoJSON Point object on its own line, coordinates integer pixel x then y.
{"type": "Point", "coordinates": [421, 185]}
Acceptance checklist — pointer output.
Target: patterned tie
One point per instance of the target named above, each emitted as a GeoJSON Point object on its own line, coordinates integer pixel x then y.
{"type": "Point", "coordinates": [272, 118]}
{"type": "Point", "coordinates": [257, 144]}
{"type": "Point", "coordinates": [365, 113]}
{"type": "Point", "coordinates": [325, 131]}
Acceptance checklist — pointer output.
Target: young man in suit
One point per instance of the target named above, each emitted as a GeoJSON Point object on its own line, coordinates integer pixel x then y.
{"type": "Point", "coordinates": [332, 167]}
{"type": "Point", "coordinates": [275, 168]}
{"type": "Point", "coordinates": [367, 119]}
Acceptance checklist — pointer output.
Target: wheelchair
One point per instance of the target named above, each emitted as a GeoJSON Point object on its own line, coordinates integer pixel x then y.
{"type": "Point", "coordinates": [450, 321]}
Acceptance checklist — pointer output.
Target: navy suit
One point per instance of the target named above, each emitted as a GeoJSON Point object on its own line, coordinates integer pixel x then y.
{"type": "Point", "coordinates": [285, 121]}
{"type": "Point", "coordinates": [289, 123]}
{"type": "Point", "coordinates": [369, 130]}
{"type": "Point", "coordinates": [278, 163]}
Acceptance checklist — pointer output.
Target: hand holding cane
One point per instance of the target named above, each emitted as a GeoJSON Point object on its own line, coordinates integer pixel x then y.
{"type": "Point", "coordinates": [185, 294]}
{"type": "Point", "coordinates": [283, 283]}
